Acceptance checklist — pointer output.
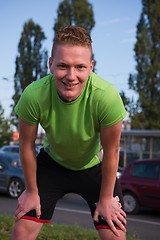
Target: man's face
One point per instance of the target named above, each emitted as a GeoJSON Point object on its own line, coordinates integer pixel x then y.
{"type": "Point", "coordinates": [71, 68]}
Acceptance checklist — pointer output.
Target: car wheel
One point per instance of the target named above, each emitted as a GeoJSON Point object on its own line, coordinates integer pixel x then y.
{"type": "Point", "coordinates": [131, 203]}
{"type": "Point", "coordinates": [15, 188]}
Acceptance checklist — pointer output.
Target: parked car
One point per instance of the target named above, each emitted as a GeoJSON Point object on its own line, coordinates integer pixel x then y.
{"type": "Point", "coordinates": [140, 183]}
{"type": "Point", "coordinates": [10, 148]}
{"type": "Point", "coordinates": [119, 172]}
{"type": "Point", "coordinates": [15, 149]}
{"type": "Point", "coordinates": [11, 175]}
{"type": "Point", "coordinates": [39, 147]}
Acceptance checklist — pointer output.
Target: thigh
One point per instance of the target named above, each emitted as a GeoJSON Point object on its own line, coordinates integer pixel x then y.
{"type": "Point", "coordinates": [51, 186]}
{"type": "Point", "coordinates": [90, 190]}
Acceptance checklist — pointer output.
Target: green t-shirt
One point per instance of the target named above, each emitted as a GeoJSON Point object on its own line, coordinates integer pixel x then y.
{"type": "Point", "coordinates": [72, 128]}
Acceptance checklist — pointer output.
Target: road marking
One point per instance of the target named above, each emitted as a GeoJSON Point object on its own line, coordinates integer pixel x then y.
{"type": "Point", "coordinates": [72, 210]}
{"type": "Point", "coordinates": [88, 213]}
{"type": "Point", "coordinates": [143, 221]}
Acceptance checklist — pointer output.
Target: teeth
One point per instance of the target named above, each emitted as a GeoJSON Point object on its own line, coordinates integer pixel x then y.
{"type": "Point", "coordinates": [70, 85]}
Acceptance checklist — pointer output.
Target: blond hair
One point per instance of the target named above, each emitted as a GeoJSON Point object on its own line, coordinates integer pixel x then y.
{"type": "Point", "coordinates": [72, 35]}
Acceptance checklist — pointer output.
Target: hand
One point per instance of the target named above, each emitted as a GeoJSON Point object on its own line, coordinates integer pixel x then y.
{"type": "Point", "coordinates": [26, 202]}
{"type": "Point", "coordinates": [110, 210]}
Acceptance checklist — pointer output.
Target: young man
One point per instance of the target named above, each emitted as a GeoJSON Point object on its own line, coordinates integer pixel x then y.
{"type": "Point", "coordinates": [78, 110]}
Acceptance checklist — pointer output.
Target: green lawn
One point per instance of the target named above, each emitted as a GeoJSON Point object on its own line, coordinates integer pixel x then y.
{"type": "Point", "coordinates": [52, 232]}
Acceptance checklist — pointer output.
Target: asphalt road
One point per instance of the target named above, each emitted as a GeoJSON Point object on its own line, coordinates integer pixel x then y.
{"type": "Point", "coordinates": [72, 209]}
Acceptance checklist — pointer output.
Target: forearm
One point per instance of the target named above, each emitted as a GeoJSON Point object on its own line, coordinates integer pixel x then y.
{"type": "Point", "coordinates": [109, 171]}
{"type": "Point", "coordinates": [108, 206]}
{"type": "Point", "coordinates": [27, 137]}
{"type": "Point", "coordinates": [110, 139]}
{"type": "Point", "coordinates": [29, 199]}
{"type": "Point", "coordinates": [29, 166]}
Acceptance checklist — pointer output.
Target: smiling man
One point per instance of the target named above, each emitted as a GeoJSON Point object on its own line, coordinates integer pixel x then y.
{"type": "Point", "coordinates": [79, 111]}
{"type": "Point", "coordinates": [71, 66]}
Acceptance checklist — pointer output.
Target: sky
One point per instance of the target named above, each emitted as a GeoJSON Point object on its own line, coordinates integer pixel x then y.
{"type": "Point", "coordinates": [114, 37]}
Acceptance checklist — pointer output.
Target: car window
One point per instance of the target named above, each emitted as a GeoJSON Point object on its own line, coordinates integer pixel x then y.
{"type": "Point", "coordinates": [146, 170]}
{"type": "Point", "coordinates": [6, 149]}
{"type": "Point", "coordinates": [15, 150]}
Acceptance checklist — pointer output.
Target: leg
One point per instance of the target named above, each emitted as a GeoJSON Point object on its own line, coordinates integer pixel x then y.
{"type": "Point", "coordinates": [26, 230]}
{"type": "Point", "coordinates": [88, 186]}
{"type": "Point", "coordinates": [107, 234]}
{"type": "Point", "coordinates": [28, 227]}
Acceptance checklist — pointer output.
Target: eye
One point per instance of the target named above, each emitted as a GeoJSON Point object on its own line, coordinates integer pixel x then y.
{"type": "Point", "coordinates": [81, 67]}
{"type": "Point", "coordinates": [62, 66]}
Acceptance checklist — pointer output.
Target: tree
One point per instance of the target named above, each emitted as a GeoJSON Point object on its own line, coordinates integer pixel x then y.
{"type": "Point", "coordinates": [75, 12]}
{"type": "Point", "coordinates": [5, 130]}
{"type": "Point", "coordinates": [126, 101]}
{"type": "Point", "coordinates": [146, 82]}
{"type": "Point", "coordinates": [31, 62]}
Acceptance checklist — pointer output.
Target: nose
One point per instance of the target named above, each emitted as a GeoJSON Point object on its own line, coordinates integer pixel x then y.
{"type": "Point", "coordinates": [71, 74]}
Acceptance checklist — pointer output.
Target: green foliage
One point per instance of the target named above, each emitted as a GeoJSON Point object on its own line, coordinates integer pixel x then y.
{"type": "Point", "coordinates": [125, 100]}
{"type": "Point", "coordinates": [31, 61]}
{"type": "Point", "coordinates": [50, 231]}
{"type": "Point", "coordinates": [146, 82]}
{"type": "Point", "coordinates": [5, 129]}
{"type": "Point", "coordinates": [75, 12]}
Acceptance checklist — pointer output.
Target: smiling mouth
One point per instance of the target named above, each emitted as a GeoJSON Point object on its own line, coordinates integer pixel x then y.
{"type": "Point", "coordinates": [70, 85]}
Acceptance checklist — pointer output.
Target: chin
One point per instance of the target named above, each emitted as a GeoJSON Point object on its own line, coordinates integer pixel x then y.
{"type": "Point", "coordinates": [67, 98]}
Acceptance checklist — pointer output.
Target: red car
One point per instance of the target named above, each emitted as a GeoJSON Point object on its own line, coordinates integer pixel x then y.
{"type": "Point", "coordinates": [140, 183]}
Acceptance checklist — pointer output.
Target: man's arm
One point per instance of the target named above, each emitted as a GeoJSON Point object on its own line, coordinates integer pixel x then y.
{"type": "Point", "coordinates": [108, 207]}
{"type": "Point", "coordinates": [29, 198]}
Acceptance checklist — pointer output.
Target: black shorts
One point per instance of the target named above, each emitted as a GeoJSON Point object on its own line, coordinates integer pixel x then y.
{"type": "Point", "coordinates": [54, 181]}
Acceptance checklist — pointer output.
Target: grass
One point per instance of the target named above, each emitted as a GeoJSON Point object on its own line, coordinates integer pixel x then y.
{"type": "Point", "coordinates": [52, 232]}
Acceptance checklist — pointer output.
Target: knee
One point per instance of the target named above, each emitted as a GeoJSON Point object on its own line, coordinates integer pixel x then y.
{"type": "Point", "coordinates": [18, 233]}
{"type": "Point", "coordinates": [109, 235]}
{"type": "Point", "coordinates": [26, 230]}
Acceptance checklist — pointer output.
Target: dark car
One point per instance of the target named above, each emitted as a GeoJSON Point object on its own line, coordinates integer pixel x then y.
{"type": "Point", "coordinates": [15, 149]}
{"type": "Point", "coordinates": [10, 148]}
{"type": "Point", "coordinates": [140, 183]}
{"type": "Point", "coordinates": [119, 172]}
{"type": "Point", "coordinates": [11, 175]}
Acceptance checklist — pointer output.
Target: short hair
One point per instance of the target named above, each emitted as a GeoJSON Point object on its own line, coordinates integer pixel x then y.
{"type": "Point", "coordinates": [73, 35]}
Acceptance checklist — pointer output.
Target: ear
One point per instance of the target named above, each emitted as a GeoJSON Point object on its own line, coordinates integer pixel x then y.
{"type": "Point", "coordinates": [50, 64]}
{"type": "Point", "coordinates": [91, 67]}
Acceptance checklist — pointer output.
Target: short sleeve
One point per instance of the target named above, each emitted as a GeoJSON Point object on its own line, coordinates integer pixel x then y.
{"type": "Point", "coordinates": [27, 107]}
{"type": "Point", "coordinates": [110, 108]}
